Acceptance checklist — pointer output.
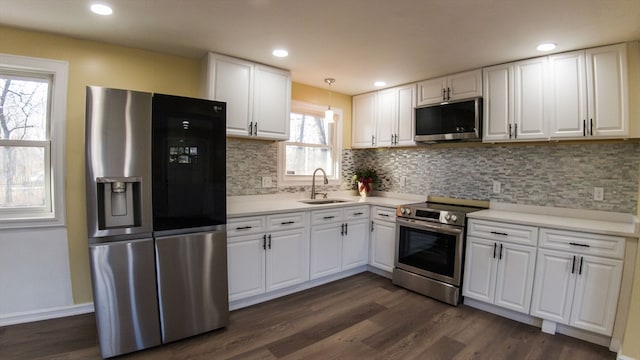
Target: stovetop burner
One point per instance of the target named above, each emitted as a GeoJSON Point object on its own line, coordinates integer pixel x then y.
{"type": "Point", "coordinates": [436, 212]}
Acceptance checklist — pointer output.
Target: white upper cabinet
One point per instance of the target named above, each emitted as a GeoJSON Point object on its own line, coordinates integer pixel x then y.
{"type": "Point", "coordinates": [588, 93]}
{"type": "Point", "coordinates": [514, 101]}
{"type": "Point", "coordinates": [258, 97]}
{"type": "Point", "coordinates": [453, 87]}
{"type": "Point", "coordinates": [384, 118]}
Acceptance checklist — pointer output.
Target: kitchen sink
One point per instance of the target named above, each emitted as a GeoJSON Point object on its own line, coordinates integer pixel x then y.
{"type": "Point", "coordinates": [322, 201]}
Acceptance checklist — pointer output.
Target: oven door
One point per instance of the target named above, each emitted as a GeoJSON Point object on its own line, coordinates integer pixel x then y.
{"type": "Point", "coordinates": [429, 249]}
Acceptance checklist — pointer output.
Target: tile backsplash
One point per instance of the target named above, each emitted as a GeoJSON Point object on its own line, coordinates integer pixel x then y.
{"type": "Point", "coordinates": [550, 174]}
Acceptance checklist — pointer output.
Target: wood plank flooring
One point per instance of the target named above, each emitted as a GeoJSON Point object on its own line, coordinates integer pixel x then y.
{"type": "Point", "coordinates": [361, 317]}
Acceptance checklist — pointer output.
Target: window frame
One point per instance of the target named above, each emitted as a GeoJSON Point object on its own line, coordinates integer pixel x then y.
{"type": "Point", "coordinates": [285, 180]}
{"type": "Point", "coordinates": [53, 213]}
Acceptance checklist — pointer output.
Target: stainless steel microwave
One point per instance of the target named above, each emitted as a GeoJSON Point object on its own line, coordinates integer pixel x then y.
{"type": "Point", "coordinates": [453, 120]}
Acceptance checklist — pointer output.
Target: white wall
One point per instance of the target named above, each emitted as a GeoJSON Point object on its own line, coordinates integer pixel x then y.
{"type": "Point", "coordinates": [34, 274]}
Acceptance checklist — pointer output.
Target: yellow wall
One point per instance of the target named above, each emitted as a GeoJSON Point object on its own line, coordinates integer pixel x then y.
{"type": "Point", "coordinates": [92, 63]}
{"type": "Point", "coordinates": [320, 96]}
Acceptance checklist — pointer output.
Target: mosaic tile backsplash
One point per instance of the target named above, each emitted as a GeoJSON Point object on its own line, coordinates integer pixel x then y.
{"type": "Point", "coordinates": [553, 174]}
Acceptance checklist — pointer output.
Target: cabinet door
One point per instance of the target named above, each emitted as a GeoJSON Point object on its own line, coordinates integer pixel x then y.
{"type": "Point", "coordinates": [326, 250]}
{"type": "Point", "coordinates": [386, 117]}
{"type": "Point", "coordinates": [431, 91]}
{"type": "Point", "coordinates": [480, 270]}
{"type": "Point", "coordinates": [271, 103]}
{"type": "Point", "coordinates": [529, 117]}
{"type": "Point", "coordinates": [464, 85]}
{"type": "Point", "coordinates": [232, 83]}
{"type": "Point", "coordinates": [383, 245]}
{"type": "Point", "coordinates": [355, 244]}
{"type": "Point", "coordinates": [498, 103]}
{"type": "Point", "coordinates": [363, 129]}
{"type": "Point", "coordinates": [553, 286]}
{"type": "Point", "coordinates": [246, 262]}
{"type": "Point", "coordinates": [567, 96]}
{"type": "Point", "coordinates": [287, 258]}
{"type": "Point", "coordinates": [514, 281]}
{"type": "Point", "coordinates": [607, 90]}
{"type": "Point", "coordinates": [405, 109]}
{"type": "Point", "coordinates": [596, 294]}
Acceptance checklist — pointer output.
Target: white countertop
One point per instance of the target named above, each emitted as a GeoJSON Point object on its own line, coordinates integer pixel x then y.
{"type": "Point", "coordinates": [251, 205]}
{"type": "Point", "coordinates": [601, 222]}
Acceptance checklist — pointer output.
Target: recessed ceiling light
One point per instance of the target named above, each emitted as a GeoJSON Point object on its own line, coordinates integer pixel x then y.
{"type": "Point", "coordinates": [101, 9]}
{"type": "Point", "coordinates": [379, 83]}
{"type": "Point", "coordinates": [280, 53]}
{"type": "Point", "coordinates": [546, 46]}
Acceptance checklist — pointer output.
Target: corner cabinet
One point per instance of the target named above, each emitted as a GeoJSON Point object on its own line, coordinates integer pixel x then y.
{"type": "Point", "coordinates": [258, 97]}
{"type": "Point", "coordinates": [453, 87]}
{"type": "Point", "coordinates": [578, 278]}
{"type": "Point", "coordinates": [500, 264]}
{"type": "Point", "coordinates": [339, 240]}
{"type": "Point", "coordinates": [384, 118]}
{"type": "Point", "coordinates": [514, 102]}
{"type": "Point", "coordinates": [588, 93]}
{"type": "Point", "coordinates": [267, 253]}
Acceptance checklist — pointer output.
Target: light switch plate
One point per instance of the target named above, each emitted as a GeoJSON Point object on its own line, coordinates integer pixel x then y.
{"type": "Point", "coordinates": [403, 181]}
{"type": "Point", "coordinates": [496, 187]}
{"type": "Point", "coordinates": [598, 194]}
{"type": "Point", "coordinates": [266, 182]}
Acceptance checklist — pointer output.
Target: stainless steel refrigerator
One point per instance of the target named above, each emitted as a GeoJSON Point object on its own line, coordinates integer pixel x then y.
{"type": "Point", "coordinates": [156, 217]}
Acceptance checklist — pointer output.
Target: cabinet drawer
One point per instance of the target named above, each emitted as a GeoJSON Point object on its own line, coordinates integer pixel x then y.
{"type": "Point", "coordinates": [356, 212]}
{"type": "Point", "coordinates": [518, 234]}
{"type": "Point", "coordinates": [582, 243]}
{"type": "Point", "coordinates": [245, 225]}
{"type": "Point", "coordinates": [326, 216]}
{"type": "Point", "coordinates": [384, 214]}
{"type": "Point", "coordinates": [286, 221]}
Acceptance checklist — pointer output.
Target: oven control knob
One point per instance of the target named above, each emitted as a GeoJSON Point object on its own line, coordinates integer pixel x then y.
{"type": "Point", "coordinates": [402, 210]}
{"type": "Point", "coordinates": [447, 217]}
{"type": "Point", "coordinates": [454, 218]}
{"type": "Point", "coordinates": [408, 211]}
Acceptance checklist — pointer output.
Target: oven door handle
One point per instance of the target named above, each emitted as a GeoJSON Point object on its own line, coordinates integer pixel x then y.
{"type": "Point", "coordinates": [424, 225]}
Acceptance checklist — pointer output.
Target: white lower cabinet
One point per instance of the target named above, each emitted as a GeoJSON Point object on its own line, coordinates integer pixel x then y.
{"type": "Point", "coordinates": [273, 254]}
{"type": "Point", "coordinates": [577, 290]}
{"type": "Point", "coordinates": [383, 238]}
{"type": "Point", "coordinates": [498, 271]}
{"type": "Point", "coordinates": [339, 240]}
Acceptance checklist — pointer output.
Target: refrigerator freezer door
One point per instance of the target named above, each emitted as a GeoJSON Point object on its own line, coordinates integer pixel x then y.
{"type": "Point", "coordinates": [192, 283]}
{"type": "Point", "coordinates": [124, 290]}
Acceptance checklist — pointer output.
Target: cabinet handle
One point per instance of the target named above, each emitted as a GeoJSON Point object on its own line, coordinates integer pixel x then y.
{"type": "Point", "coordinates": [387, 215]}
{"type": "Point", "coordinates": [591, 127]}
{"type": "Point", "coordinates": [358, 213]}
{"type": "Point", "coordinates": [372, 226]}
{"type": "Point", "coordinates": [269, 241]}
{"type": "Point", "coordinates": [251, 128]}
{"type": "Point", "coordinates": [328, 217]}
{"type": "Point", "coordinates": [255, 126]}
{"type": "Point", "coordinates": [243, 227]}
{"type": "Point", "coordinates": [287, 222]}
{"type": "Point", "coordinates": [584, 127]}
{"type": "Point", "coordinates": [342, 229]}
{"type": "Point", "coordinates": [346, 229]}
{"type": "Point", "coordinates": [499, 233]}
{"type": "Point", "coordinates": [515, 131]}
{"type": "Point", "coordinates": [397, 139]}
{"type": "Point", "coordinates": [444, 94]}
{"type": "Point", "coordinates": [576, 244]}
{"type": "Point", "coordinates": [573, 265]}
{"type": "Point", "coordinates": [373, 140]}
{"type": "Point", "coordinates": [580, 270]}
{"type": "Point", "coordinates": [495, 245]}
{"type": "Point", "coordinates": [500, 258]}
{"type": "Point", "coordinates": [448, 93]}
{"type": "Point", "coordinates": [509, 131]}
{"type": "Point", "coordinates": [264, 242]}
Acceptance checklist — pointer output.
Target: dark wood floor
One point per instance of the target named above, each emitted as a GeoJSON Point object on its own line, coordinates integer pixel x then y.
{"type": "Point", "coordinates": [361, 317]}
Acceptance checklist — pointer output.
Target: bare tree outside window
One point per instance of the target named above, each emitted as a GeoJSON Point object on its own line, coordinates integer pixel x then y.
{"type": "Point", "coordinates": [23, 141]}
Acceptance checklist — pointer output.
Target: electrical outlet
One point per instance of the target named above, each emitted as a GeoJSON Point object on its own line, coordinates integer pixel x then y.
{"type": "Point", "coordinates": [403, 181]}
{"type": "Point", "coordinates": [496, 187]}
{"type": "Point", "coordinates": [266, 182]}
{"type": "Point", "coordinates": [598, 194]}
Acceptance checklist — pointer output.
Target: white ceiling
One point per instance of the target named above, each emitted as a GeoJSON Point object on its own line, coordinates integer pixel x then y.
{"type": "Point", "coordinates": [355, 41]}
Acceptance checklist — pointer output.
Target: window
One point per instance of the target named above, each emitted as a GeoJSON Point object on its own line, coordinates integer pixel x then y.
{"type": "Point", "coordinates": [313, 143]}
{"type": "Point", "coordinates": [32, 124]}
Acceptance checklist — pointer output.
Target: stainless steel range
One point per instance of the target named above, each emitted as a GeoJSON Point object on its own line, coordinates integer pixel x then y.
{"type": "Point", "coordinates": [430, 249]}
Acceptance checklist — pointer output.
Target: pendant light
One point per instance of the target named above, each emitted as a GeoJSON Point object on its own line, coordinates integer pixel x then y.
{"type": "Point", "coordinates": [328, 114]}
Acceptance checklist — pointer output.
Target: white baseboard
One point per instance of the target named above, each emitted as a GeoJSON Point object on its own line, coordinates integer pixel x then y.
{"type": "Point", "coordinates": [45, 314]}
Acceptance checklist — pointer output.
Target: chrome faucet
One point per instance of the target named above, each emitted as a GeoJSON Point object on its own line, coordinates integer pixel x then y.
{"type": "Point", "coordinates": [313, 183]}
